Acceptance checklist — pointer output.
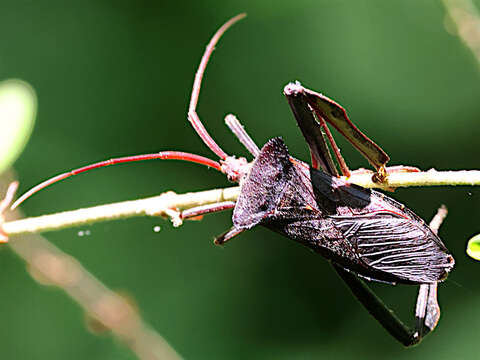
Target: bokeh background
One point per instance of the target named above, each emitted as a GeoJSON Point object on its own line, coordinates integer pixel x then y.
{"type": "Point", "coordinates": [114, 78]}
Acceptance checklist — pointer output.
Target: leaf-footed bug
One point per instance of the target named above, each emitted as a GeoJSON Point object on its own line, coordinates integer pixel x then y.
{"type": "Point", "coordinates": [362, 232]}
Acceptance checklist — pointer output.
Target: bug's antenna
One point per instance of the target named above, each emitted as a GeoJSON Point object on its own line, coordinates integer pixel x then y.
{"type": "Point", "coordinates": [176, 155]}
{"type": "Point", "coordinates": [192, 112]}
{"type": "Point", "coordinates": [164, 155]}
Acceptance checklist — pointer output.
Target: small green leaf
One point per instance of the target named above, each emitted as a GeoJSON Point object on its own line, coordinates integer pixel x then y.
{"type": "Point", "coordinates": [473, 247]}
{"type": "Point", "coordinates": [18, 108]}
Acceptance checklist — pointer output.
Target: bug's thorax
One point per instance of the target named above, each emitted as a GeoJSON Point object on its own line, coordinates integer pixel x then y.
{"type": "Point", "coordinates": [265, 186]}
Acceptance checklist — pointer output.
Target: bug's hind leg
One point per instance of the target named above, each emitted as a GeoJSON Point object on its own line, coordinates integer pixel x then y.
{"type": "Point", "coordinates": [377, 308]}
{"type": "Point", "coordinates": [427, 312]}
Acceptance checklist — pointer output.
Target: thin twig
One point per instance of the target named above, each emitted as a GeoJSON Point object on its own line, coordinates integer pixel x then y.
{"type": "Point", "coordinates": [423, 178]}
{"type": "Point", "coordinates": [169, 204]}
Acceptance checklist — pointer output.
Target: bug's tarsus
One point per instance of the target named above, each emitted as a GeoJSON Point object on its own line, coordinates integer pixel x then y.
{"type": "Point", "coordinates": [380, 176]}
{"type": "Point", "coordinates": [389, 169]}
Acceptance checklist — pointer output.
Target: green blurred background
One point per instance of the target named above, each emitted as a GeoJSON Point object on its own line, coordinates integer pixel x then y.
{"type": "Point", "coordinates": [114, 78]}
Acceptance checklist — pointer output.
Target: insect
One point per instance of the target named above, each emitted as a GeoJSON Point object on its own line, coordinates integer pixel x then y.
{"type": "Point", "coordinates": [363, 233]}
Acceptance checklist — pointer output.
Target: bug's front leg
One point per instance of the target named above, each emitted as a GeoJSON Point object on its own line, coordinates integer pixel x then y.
{"type": "Point", "coordinates": [199, 211]}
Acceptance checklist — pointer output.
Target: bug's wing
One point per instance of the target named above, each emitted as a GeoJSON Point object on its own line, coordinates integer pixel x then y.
{"type": "Point", "coordinates": [396, 245]}
{"type": "Point", "coordinates": [311, 130]}
{"type": "Point", "coordinates": [335, 114]}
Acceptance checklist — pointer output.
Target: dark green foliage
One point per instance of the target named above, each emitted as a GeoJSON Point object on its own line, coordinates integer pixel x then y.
{"type": "Point", "coordinates": [114, 78]}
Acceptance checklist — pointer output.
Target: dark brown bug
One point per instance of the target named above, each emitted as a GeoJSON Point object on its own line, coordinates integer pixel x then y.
{"type": "Point", "coordinates": [361, 231]}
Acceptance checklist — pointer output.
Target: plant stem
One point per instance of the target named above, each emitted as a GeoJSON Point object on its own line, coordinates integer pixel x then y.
{"type": "Point", "coordinates": [423, 178]}
{"type": "Point", "coordinates": [169, 204]}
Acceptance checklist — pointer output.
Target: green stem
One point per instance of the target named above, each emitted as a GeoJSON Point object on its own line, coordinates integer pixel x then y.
{"type": "Point", "coordinates": [424, 178]}
{"type": "Point", "coordinates": [169, 204]}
